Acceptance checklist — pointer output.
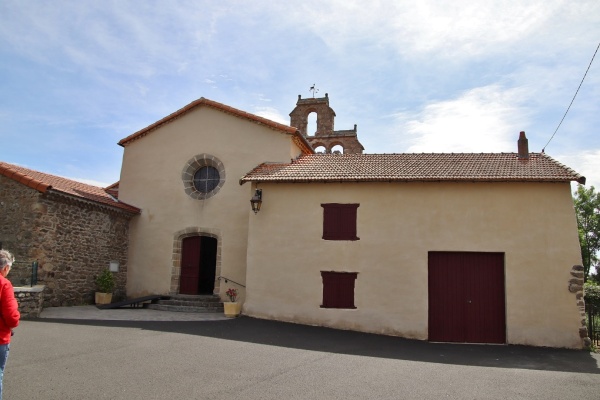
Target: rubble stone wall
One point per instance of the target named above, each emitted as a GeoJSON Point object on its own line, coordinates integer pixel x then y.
{"type": "Point", "coordinates": [71, 240]}
{"type": "Point", "coordinates": [30, 300]}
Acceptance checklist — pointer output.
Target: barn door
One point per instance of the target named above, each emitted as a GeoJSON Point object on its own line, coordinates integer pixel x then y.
{"type": "Point", "coordinates": [198, 265]}
{"type": "Point", "coordinates": [466, 297]}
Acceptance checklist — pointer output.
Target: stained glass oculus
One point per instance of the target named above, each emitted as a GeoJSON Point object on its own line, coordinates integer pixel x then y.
{"type": "Point", "coordinates": [206, 179]}
{"type": "Point", "coordinates": [203, 176]}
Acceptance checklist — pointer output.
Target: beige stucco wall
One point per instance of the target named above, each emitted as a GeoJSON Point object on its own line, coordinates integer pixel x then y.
{"type": "Point", "coordinates": [151, 180]}
{"type": "Point", "coordinates": [398, 224]}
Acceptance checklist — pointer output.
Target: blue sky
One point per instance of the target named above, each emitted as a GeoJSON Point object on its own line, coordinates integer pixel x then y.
{"type": "Point", "coordinates": [435, 76]}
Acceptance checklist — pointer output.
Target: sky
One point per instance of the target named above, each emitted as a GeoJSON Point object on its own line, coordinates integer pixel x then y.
{"type": "Point", "coordinates": [428, 76]}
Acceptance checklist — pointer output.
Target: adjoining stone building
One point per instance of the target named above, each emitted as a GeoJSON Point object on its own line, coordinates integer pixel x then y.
{"type": "Point", "coordinates": [73, 230]}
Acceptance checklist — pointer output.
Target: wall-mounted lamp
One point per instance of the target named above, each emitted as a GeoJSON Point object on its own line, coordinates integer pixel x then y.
{"type": "Point", "coordinates": [256, 201]}
{"type": "Point", "coordinates": [113, 266]}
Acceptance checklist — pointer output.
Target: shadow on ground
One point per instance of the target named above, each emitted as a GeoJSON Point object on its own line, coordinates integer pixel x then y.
{"type": "Point", "coordinates": [275, 333]}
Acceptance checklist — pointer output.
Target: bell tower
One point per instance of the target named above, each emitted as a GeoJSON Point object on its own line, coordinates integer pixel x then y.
{"type": "Point", "coordinates": [325, 136]}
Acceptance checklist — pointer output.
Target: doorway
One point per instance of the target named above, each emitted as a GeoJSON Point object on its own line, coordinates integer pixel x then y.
{"type": "Point", "coordinates": [466, 297]}
{"type": "Point", "coordinates": [198, 265]}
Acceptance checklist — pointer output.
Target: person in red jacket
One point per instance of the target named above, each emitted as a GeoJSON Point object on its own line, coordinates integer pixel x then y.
{"type": "Point", "coordinates": [9, 310]}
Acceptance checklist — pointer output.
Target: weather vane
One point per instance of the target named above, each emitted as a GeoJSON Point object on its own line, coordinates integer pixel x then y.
{"type": "Point", "coordinates": [314, 90]}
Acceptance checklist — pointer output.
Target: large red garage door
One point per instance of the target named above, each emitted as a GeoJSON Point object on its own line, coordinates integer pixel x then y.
{"type": "Point", "coordinates": [466, 297]}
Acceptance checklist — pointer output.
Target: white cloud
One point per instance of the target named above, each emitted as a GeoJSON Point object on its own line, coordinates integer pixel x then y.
{"type": "Point", "coordinates": [486, 119]}
{"type": "Point", "coordinates": [262, 97]}
{"type": "Point", "coordinates": [468, 75]}
{"type": "Point", "coordinates": [122, 37]}
{"type": "Point", "coordinates": [585, 162]}
{"type": "Point", "coordinates": [272, 114]}
{"type": "Point", "coordinates": [459, 28]}
{"type": "Point", "coordinates": [149, 37]}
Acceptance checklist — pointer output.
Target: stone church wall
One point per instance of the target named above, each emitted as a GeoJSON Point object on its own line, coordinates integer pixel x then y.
{"type": "Point", "coordinates": [71, 240]}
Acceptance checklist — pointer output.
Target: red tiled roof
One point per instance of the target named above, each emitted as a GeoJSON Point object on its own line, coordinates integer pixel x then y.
{"type": "Point", "coordinates": [50, 183]}
{"type": "Point", "coordinates": [415, 167]}
{"type": "Point", "coordinates": [113, 189]}
{"type": "Point", "coordinates": [300, 140]}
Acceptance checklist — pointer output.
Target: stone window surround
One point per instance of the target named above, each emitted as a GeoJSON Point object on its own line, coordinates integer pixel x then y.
{"type": "Point", "coordinates": [176, 257]}
{"type": "Point", "coordinates": [193, 165]}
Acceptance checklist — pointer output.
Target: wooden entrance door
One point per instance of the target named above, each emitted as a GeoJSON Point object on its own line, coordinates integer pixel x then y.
{"type": "Point", "coordinates": [466, 297]}
{"type": "Point", "coordinates": [198, 265]}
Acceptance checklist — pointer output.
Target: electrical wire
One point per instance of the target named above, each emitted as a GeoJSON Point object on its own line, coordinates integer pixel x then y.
{"type": "Point", "coordinates": [577, 91]}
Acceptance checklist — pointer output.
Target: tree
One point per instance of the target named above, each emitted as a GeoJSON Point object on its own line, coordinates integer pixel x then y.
{"type": "Point", "coordinates": [587, 208]}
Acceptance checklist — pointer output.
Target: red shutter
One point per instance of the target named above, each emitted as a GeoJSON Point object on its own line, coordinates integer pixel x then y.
{"type": "Point", "coordinates": [330, 221]}
{"type": "Point", "coordinates": [348, 221]}
{"type": "Point", "coordinates": [339, 221]}
{"type": "Point", "coordinates": [338, 289]}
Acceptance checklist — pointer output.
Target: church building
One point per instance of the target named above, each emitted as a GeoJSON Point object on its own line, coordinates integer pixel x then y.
{"type": "Point", "coordinates": [436, 246]}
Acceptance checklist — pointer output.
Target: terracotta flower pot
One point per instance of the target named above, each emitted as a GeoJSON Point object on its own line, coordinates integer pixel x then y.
{"type": "Point", "coordinates": [103, 298]}
{"type": "Point", "coordinates": [232, 310]}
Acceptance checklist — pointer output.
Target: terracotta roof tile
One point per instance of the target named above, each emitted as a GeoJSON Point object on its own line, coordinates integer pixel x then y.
{"type": "Point", "coordinates": [45, 182]}
{"type": "Point", "coordinates": [415, 167]}
{"type": "Point", "coordinates": [298, 138]}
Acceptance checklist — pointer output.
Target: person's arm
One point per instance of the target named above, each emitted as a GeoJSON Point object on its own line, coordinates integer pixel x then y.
{"type": "Point", "coordinates": [10, 307]}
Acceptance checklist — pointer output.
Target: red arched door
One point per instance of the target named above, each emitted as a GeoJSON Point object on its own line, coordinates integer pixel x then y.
{"type": "Point", "coordinates": [198, 265]}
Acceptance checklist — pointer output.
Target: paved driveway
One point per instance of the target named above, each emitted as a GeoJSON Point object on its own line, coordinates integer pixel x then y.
{"type": "Point", "coordinates": [250, 359]}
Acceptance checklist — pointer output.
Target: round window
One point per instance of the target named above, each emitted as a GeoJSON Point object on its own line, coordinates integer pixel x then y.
{"type": "Point", "coordinates": [203, 176]}
{"type": "Point", "coordinates": [206, 179]}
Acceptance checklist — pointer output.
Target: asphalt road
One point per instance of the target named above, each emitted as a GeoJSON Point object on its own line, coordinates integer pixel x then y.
{"type": "Point", "coordinates": [249, 359]}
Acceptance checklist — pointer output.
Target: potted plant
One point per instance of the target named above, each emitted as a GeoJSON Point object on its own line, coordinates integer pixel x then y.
{"type": "Point", "coordinates": [106, 284]}
{"type": "Point", "coordinates": [232, 308]}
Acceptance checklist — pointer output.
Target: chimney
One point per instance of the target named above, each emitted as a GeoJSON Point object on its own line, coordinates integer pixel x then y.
{"type": "Point", "coordinates": [523, 145]}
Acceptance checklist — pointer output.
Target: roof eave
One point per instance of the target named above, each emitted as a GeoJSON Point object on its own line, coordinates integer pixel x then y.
{"type": "Point", "coordinates": [301, 142]}
{"type": "Point", "coordinates": [128, 209]}
{"type": "Point", "coordinates": [25, 179]}
{"type": "Point", "coordinates": [400, 180]}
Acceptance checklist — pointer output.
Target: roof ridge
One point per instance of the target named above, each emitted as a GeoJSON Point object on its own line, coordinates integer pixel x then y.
{"type": "Point", "coordinates": [416, 167]}
{"type": "Point", "coordinates": [421, 153]}
{"type": "Point", "coordinates": [44, 182]}
{"type": "Point", "coordinates": [218, 106]}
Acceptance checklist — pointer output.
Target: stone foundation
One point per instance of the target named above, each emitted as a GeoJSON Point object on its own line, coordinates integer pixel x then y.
{"type": "Point", "coordinates": [30, 300]}
{"type": "Point", "coordinates": [576, 286]}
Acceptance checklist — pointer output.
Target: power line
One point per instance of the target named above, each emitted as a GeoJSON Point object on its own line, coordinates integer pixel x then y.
{"type": "Point", "coordinates": [577, 91]}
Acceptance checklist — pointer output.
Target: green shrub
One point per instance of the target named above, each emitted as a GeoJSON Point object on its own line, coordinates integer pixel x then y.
{"type": "Point", "coordinates": [592, 293]}
{"type": "Point", "coordinates": [105, 282]}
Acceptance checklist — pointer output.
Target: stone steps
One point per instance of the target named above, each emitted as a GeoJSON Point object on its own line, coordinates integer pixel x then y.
{"type": "Point", "coordinates": [190, 303]}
